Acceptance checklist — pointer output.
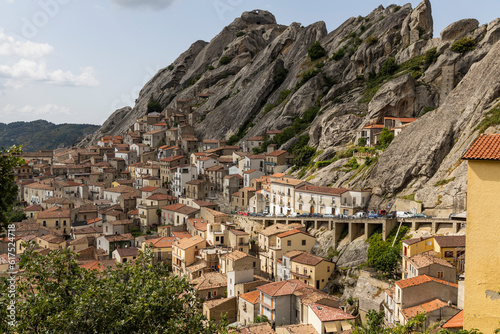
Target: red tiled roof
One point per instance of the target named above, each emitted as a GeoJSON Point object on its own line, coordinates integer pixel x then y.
{"type": "Point", "coordinates": [328, 313]}
{"type": "Point", "coordinates": [486, 147]}
{"type": "Point", "coordinates": [456, 321]}
{"type": "Point", "coordinates": [282, 288]}
{"type": "Point", "coordinates": [252, 297]}
{"type": "Point", "coordinates": [374, 126]}
{"type": "Point", "coordinates": [292, 232]}
{"type": "Point", "coordinates": [433, 305]}
{"type": "Point", "coordinates": [446, 241]}
{"type": "Point", "coordinates": [276, 153]}
{"type": "Point", "coordinates": [421, 279]}
{"type": "Point", "coordinates": [34, 207]}
{"type": "Point", "coordinates": [321, 190]}
{"type": "Point", "coordinates": [308, 259]}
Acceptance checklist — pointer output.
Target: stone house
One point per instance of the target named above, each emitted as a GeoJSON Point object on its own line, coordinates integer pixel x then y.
{"type": "Point", "coordinates": [109, 243]}
{"type": "Point", "coordinates": [184, 253]}
{"type": "Point", "coordinates": [278, 161]}
{"type": "Point", "coordinates": [124, 255]}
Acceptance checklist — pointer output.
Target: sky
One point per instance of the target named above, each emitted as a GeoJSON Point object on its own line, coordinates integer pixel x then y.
{"type": "Point", "coordinates": [77, 61]}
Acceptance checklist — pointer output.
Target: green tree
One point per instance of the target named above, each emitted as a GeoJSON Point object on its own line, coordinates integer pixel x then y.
{"type": "Point", "coordinates": [224, 60]}
{"type": "Point", "coordinates": [386, 137]}
{"type": "Point", "coordinates": [316, 51]}
{"type": "Point", "coordinates": [55, 295]}
{"type": "Point", "coordinates": [463, 45]}
{"type": "Point", "coordinates": [259, 319]}
{"type": "Point", "coordinates": [9, 159]}
{"type": "Point", "coordinates": [154, 106]}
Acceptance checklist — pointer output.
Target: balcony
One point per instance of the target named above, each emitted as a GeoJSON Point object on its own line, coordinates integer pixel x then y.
{"type": "Point", "coordinates": [299, 274]}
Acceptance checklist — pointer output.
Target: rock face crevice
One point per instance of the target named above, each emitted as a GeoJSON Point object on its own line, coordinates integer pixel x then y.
{"type": "Point", "coordinates": [449, 92]}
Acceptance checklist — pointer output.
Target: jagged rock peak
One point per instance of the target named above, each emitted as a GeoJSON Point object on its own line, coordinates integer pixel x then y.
{"type": "Point", "coordinates": [258, 16]}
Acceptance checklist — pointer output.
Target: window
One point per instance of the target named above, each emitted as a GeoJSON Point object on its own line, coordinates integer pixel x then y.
{"type": "Point", "coordinates": [303, 242]}
{"type": "Point", "coordinates": [254, 264]}
{"type": "Point", "coordinates": [440, 274]}
{"type": "Point", "coordinates": [216, 238]}
{"type": "Point", "coordinates": [328, 269]}
{"type": "Point", "coordinates": [215, 293]}
{"type": "Point", "coordinates": [300, 207]}
{"type": "Point", "coordinates": [57, 222]}
{"type": "Point", "coordinates": [448, 254]}
{"type": "Point", "coordinates": [44, 223]}
{"type": "Point", "coordinates": [64, 223]}
{"type": "Point", "coordinates": [289, 242]}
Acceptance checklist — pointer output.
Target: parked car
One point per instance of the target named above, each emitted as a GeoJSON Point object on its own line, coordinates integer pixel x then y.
{"type": "Point", "coordinates": [381, 213]}
{"type": "Point", "coordinates": [328, 216]}
{"type": "Point", "coordinates": [341, 215]}
{"type": "Point", "coordinates": [269, 215]}
{"type": "Point", "coordinates": [360, 214]}
{"type": "Point", "coordinates": [305, 214]}
{"type": "Point", "coordinates": [317, 215]}
{"type": "Point", "coordinates": [372, 214]}
{"type": "Point", "coordinates": [293, 215]}
{"type": "Point", "coordinates": [404, 214]}
{"type": "Point", "coordinates": [421, 215]}
{"type": "Point", "coordinates": [258, 214]}
{"type": "Point", "coordinates": [280, 215]}
{"type": "Point", "coordinates": [391, 214]}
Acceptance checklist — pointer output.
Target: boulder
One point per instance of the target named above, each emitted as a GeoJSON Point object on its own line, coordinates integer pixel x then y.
{"type": "Point", "coordinates": [458, 29]}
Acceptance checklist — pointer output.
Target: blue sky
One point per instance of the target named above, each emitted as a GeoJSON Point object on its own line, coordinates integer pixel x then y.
{"type": "Point", "coordinates": [76, 61]}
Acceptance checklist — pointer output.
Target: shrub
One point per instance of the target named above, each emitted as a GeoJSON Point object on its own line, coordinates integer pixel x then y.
{"type": "Point", "coordinates": [224, 60]}
{"type": "Point", "coordinates": [154, 106]}
{"type": "Point", "coordinates": [316, 51]}
{"type": "Point", "coordinates": [170, 67]}
{"type": "Point", "coordinates": [361, 141]}
{"type": "Point", "coordinates": [352, 164]}
{"type": "Point", "coordinates": [306, 76]}
{"type": "Point", "coordinates": [491, 118]}
{"type": "Point", "coordinates": [397, 8]}
{"type": "Point", "coordinates": [371, 40]}
{"type": "Point", "coordinates": [389, 67]}
{"type": "Point", "coordinates": [386, 137]}
{"type": "Point", "coordinates": [280, 75]}
{"type": "Point", "coordinates": [463, 45]}
{"type": "Point", "coordinates": [240, 33]}
{"type": "Point", "coordinates": [339, 54]}
{"type": "Point", "coordinates": [431, 56]}
{"type": "Point", "coordinates": [210, 67]}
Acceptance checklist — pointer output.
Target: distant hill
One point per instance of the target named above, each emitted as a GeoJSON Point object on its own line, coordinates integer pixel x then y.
{"type": "Point", "coordinates": [42, 135]}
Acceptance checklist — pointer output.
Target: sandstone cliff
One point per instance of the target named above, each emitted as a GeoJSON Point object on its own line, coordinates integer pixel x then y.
{"type": "Point", "coordinates": [449, 92]}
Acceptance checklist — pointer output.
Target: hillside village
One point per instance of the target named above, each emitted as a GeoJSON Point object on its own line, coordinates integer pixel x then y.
{"type": "Point", "coordinates": [223, 217]}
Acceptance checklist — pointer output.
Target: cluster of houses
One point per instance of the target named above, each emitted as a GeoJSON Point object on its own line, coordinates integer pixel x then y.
{"type": "Point", "coordinates": [159, 187]}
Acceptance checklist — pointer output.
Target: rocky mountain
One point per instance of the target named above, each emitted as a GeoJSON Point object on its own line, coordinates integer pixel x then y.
{"type": "Point", "coordinates": [260, 75]}
{"type": "Point", "coordinates": [43, 135]}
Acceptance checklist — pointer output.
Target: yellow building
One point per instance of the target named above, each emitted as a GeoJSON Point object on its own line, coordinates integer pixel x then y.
{"type": "Point", "coordinates": [56, 219]}
{"type": "Point", "coordinates": [446, 247]}
{"type": "Point", "coordinates": [51, 241]}
{"type": "Point", "coordinates": [482, 271]}
{"type": "Point", "coordinates": [161, 247]}
{"type": "Point", "coordinates": [184, 253]}
{"type": "Point", "coordinates": [311, 269]}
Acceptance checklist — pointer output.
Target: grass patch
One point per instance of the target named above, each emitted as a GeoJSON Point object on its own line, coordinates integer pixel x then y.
{"type": "Point", "coordinates": [491, 118]}
{"type": "Point", "coordinates": [443, 182]}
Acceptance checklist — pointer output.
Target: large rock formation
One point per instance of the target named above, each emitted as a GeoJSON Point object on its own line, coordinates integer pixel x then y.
{"type": "Point", "coordinates": [453, 91]}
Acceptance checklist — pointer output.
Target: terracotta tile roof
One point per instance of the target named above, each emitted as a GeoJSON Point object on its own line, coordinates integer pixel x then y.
{"type": "Point", "coordinates": [433, 305]}
{"type": "Point", "coordinates": [309, 188]}
{"type": "Point", "coordinates": [293, 253]}
{"type": "Point", "coordinates": [300, 329]}
{"type": "Point", "coordinates": [92, 265]}
{"type": "Point", "coordinates": [282, 288]}
{"type": "Point", "coordinates": [198, 265]}
{"type": "Point", "coordinates": [80, 241]}
{"type": "Point", "coordinates": [120, 222]}
{"type": "Point", "coordinates": [328, 313]}
{"type": "Point", "coordinates": [34, 207]}
{"type": "Point", "coordinates": [457, 321]}
{"type": "Point", "coordinates": [190, 242]}
{"type": "Point", "coordinates": [256, 138]}
{"type": "Point", "coordinates": [52, 239]}
{"type": "Point", "coordinates": [195, 182]}
{"type": "Point", "coordinates": [422, 279]}
{"type": "Point", "coordinates": [181, 234]}
{"type": "Point", "coordinates": [41, 186]}
{"type": "Point", "coordinates": [88, 208]}
{"type": "Point", "coordinates": [160, 197]}
{"type": "Point", "coordinates": [121, 189]}
{"type": "Point", "coordinates": [88, 230]}
{"type": "Point", "coordinates": [413, 241]}
{"type": "Point", "coordinates": [308, 259]}
{"type": "Point", "coordinates": [262, 328]}
{"type": "Point", "coordinates": [173, 207]}
{"type": "Point", "coordinates": [148, 189]}
{"type": "Point", "coordinates": [252, 297]}
{"type": "Point", "coordinates": [210, 281]}
{"type": "Point", "coordinates": [450, 241]}
{"type": "Point", "coordinates": [424, 260]}
{"type": "Point", "coordinates": [165, 242]}
{"type": "Point", "coordinates": [238, 232]}
{"type": "Point", "coordinates": [390, 292]}
{"type": "Point", "coordinates": [217, 213]}
{"type": "Point", "coordinates": [374, 126]}
{"type": "Point", "coordinates": [273, 132]}
{"type": "Point", "coordinates": [119, 237]}
{"type": "Point", "coordinates": [236, 255]}
{"type": "Point", "coordinates": [288, 181]}
{"type": "Point", "coordinates": [275, 229]}
{"type": "Point", "coordinates": [187, 210]}
{"type": "Point", "coordinates": [292, 232]}
{"type": "Point", "coordinates": [127, 251]}
{"type": "Point", "coordinates": [486, 147]}
{"type": "Point", "coordinates": [276, 153]}
{"type": "Point", "coordinates": [278, 175]}
{"type": "Point", "coordinates": [198, 224]}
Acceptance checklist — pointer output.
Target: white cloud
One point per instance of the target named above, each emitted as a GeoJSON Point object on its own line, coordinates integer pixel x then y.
{"type": "Point", "coordinates": [26, 70]}
{"type": "Point", "coordinates": [10, 46]}
{"type": "Point", "coordinates": [36, 111]}
{"type": "Point", "coordinates": [144, 4]}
